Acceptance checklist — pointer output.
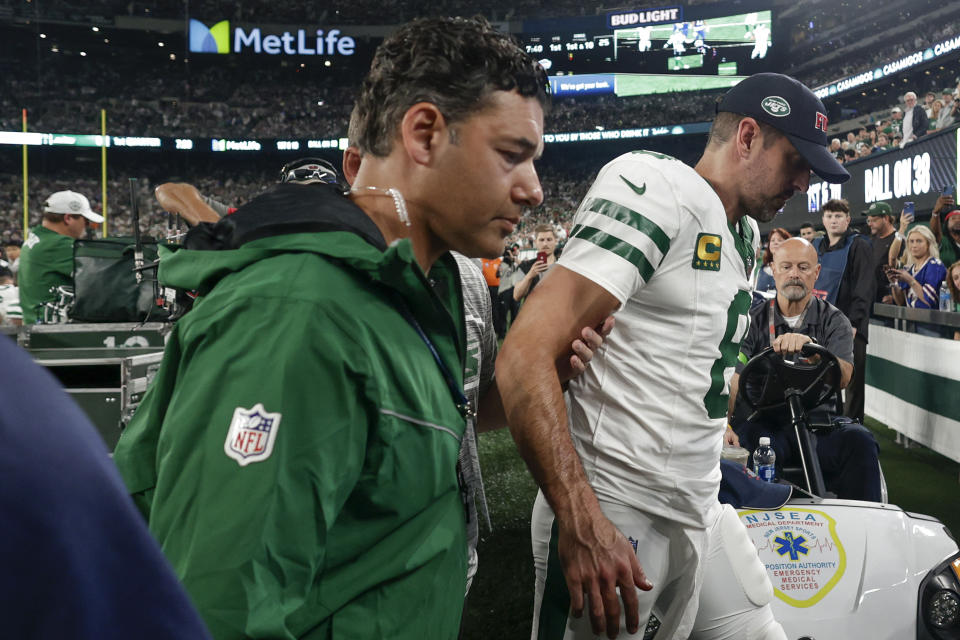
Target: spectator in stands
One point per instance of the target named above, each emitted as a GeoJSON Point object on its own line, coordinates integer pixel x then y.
{"type": "Point", "coordinates": [47, 258]}
{"type": "Point", "coordinates": [918, 285]}
{"type": "Point", "coordinates": [928, 99]}
{"type": "Point", "coordinates": [935, 108]}
{"type": "Point", "coordinates": [510, 274]}
{"type": "Point", "coordinates": [11, 252]}
{"type": "Point", "coordinates": [948, 115]}
{"type": "Point", "coordinates": [848, 455]}
{"type": "Point", "coordinates": [953, 283]}
{"type": "Point", "coordinates": [897, 141]}
{"type": "Point", "coordinates": [807, 231]}
{"type": "Point", "coordinates": [948, 244]}
{"type": "Point", "coordinates": [836, 148]}
{"type": "Point", "coordinates": [10, 313]}
{"type": "Point", "coordinates": [882, 235]}
{"type": "Point", "coordinates": [894, 127]}
{"type": "Point", "coordinates": [849, 155]}
{"type": "Point", "coordinates": [545, 241]}
{"type": "Point", "coordinates": [883, 142]}
{"type": "Point", "coordinates": [914, 119]}
{"type": "Point", "coordinates": [765, 281]}
{"type": "Point", "coordinates": [846, 281]}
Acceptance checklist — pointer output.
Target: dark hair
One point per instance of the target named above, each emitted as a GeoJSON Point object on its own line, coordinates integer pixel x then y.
{"type": "Point", "coordinates": [5, 273]}
{"type": "Point", "coordinates": [12, 243]}
{"type": "Point", "coordinates": [53, 217]}
{"type": "Point", "coordinates": [767, 253]}
{"type": "Point", "coordinates": [453, 63]}
{"type": "Point", "coordinates": [837, 204]}
{"type": "Point", "coordinates": [725, 126]}
{"type": "Point", "coordinates": [807, 225]}
{"type": "Point", "coordinates": [954, 292]}
{"type": "Point", "coordinates": [850, 153]}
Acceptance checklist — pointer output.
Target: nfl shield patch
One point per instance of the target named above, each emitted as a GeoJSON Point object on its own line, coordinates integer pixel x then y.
{"type": "Point", "coordinates": [251, 435]}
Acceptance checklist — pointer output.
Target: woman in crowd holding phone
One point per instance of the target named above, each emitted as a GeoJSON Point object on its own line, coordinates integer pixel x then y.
{"type": "Point", "coordinates": [918, 285]}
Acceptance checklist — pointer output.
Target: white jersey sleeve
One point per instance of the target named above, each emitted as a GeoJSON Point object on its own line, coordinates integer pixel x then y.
{"type": "Point", "coordinates": [625, 224]}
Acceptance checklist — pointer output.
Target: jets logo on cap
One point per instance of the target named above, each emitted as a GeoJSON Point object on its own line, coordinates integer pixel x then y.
{"type": "Point", "coordinates": [776, 106]}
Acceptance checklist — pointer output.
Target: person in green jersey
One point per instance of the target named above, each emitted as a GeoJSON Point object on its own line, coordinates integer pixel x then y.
{"type": "Point", "coordinates": [46, 261]}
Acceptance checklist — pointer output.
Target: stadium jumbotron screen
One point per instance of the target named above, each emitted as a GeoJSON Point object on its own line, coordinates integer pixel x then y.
{"type": "Point", "coordinates": [682, 54]}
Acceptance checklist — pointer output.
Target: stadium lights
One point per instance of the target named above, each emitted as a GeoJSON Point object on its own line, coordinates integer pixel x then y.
{"type": "Point", "coordinates": [159, 44]}
{"type": "Point", "coordinates": [302, 65]}
{"type": "Point", "coordinates": [106, 41]}
{"type": "Point", "coordinates": [55, 49]}
{"type": "Point", "coordinates": [43, 36]}
{"type": "Point", "coordinates": [83, 54]}
{"type": "Point", "coordinates": [319, 103]}
{"type": "Point", "coordinates": [96, 28]}
{"type": "Point", "coordinates": [173, 56]}
{"type": "Point", "coordinates": [327, 63]}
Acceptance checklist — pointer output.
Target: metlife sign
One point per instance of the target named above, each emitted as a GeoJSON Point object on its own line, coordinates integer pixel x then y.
{"type": "Point", "coordinates": [219, 38]}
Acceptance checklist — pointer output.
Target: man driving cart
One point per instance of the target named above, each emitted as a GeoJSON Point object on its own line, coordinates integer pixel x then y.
{"type": "Point", "coordinates": [847, 451]}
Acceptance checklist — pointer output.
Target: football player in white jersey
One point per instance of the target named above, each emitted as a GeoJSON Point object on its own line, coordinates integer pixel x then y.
{"type": "Point", "coordinates": [627, 521]}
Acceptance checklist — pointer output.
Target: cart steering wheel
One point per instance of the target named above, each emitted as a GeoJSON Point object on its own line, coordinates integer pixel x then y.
{"type": "Point", "coordinates": [768, 379]}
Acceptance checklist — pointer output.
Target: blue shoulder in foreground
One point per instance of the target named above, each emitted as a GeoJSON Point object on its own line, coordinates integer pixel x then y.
{"type": "Point", "coordinates": [78, 560]}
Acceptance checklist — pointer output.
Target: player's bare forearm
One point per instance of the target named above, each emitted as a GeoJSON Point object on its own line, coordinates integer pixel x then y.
{"type": "Point", "coordinates": [597, 559]}
{"type": "Point", "coordinates": [533, 405]}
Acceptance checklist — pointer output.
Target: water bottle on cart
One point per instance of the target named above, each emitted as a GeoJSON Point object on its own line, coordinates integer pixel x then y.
{"type": "Point", "coordinates": [764, 460]}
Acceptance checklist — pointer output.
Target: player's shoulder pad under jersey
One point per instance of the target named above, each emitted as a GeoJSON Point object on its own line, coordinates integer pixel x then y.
{"type": "Point", "coordinates": [638, 189]}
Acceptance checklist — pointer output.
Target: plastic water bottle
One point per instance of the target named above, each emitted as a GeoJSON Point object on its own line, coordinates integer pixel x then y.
{"type": "Point", "coordinates": [945, 298]}
{"type": "Point", "coordinates": [764, 459]}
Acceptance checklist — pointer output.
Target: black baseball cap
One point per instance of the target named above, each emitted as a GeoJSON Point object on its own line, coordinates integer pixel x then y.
{"type": "Point", "coordinates": [791, 108]}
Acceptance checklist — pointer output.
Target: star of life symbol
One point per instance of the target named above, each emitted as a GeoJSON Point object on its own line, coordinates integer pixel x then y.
{"type": "Point", "coordinates": [790, 545]}
{"type": "Point", "coordinates": [251, 435]}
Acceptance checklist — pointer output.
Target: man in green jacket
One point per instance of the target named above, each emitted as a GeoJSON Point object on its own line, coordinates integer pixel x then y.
{"type": "Point", "coordinates": [46, 261]}
{"type": "Point", "coordinates": [296, 454]}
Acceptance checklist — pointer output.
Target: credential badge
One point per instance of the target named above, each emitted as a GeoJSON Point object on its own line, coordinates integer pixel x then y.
{"type": "Point", "coordinates": [251, 435]}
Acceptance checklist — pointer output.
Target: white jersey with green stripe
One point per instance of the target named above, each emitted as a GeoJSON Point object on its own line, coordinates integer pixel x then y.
{"type": "Point", "coordinates": [648, 415]}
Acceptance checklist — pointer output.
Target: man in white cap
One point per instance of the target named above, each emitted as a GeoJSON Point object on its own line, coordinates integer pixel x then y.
{"type": "Point", "coordinates": [46, 261]}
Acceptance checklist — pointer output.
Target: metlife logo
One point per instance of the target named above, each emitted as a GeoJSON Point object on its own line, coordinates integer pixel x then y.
{"type": "Point", "coordinates": [220, 39]}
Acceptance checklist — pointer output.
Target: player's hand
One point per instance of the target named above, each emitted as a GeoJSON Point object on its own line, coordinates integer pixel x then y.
{"type": "Point", "coordinates": [789, 344]}
{"type": "Point", "coordinates": [597, 559]}
{"type": "Point", "coordinates": [730, 438]}
{"type": "Point", "coordinates": [583, 349]}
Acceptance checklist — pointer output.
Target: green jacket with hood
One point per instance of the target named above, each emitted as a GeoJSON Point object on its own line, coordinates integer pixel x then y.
{"type": "Point", "coordinates": [296, 454]}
